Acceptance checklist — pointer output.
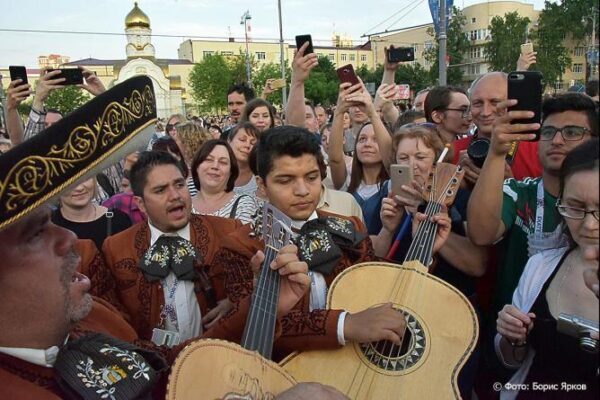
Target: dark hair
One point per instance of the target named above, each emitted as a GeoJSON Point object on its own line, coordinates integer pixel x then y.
{"type": "Point", "coordinates": [247, 126]}
{"type": "Point", "coordinates": [203, 154]}
{"type": "Point", "coordinates": [147, 161]}
{"type": "Point", "coordinates": [55, 111]}
{"type": "Point", "coordinates": [312, 107]}
{"type": "Point", "coordinates": [242, 88]}
{"type": "Point", "coordinates": [290, 141]}
{"type": "Point", "coordinates": [591, 88]}
{"type": "Point", "coordinates": [407, 117]}
{"type": "Point", "coordinates": [217, 127]}
{"type": "Point", "coordinates": [439, 98]}
{"type": "Point", "coordinates": [572, 102]}
{"type": "Point", "coordinates": [582, 158]}
{"type": "Point", "coordinates": [253, 105]}
{"type": "Point", "coordinates": [356, 175]}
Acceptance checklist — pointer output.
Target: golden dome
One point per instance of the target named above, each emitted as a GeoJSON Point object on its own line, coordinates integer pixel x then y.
{"type": "Point", "coordinates": [137, 18]}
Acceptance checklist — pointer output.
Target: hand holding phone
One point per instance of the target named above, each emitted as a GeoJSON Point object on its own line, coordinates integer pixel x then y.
{"type": "Point", "coordinates": [400, 54]}
{"type": "Point", "coordinates": [301, 39]}
{"type": "Point", "coordinates": [18, 72]}
{"type": "Point", "coordinates": [400, 175]}
{"type": "Point", "coordinates": [73, 76]}
{"type": "Point", "coordinates": [526, 88]}
{"type": "Point", "coordinates": [278, 84]}
{"type": "Point", "coordinates": [526, 48]}
{"type": "Point", "coordinates": [346, 74]}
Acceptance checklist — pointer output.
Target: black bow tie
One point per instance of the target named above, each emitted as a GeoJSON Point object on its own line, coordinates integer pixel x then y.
{"type": "Point", "coordinates": [169, 254]}
{"type": "Point", "coordinates": [320, 239]}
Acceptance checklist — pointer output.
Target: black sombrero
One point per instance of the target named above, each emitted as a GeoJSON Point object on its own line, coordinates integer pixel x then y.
{"type": "Point", "coordinates": [77, 147]}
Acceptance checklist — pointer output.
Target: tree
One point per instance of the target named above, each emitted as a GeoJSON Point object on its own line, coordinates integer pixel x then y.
{"type": "Point", "coordinates": [210, 79]}
{"type": "Point", "coordinates": [456, 46]}
{"type": "Point", "coordinates": [67, 99]}
{"type": "Point", "coordinates": [413, 74]}
{"type": "Point", "coordinates": [323, 85]}
{"type": "Point", "coordinates": [270, 71]}
{"type": "Point", "coordinates": [552, 56]}
{"type": "Point", "coordinates": [508, 33]}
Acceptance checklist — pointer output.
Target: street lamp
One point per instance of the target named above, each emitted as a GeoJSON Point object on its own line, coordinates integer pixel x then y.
{"type": "Point", "coordinates": [282, 56]}
{"type": "Point", "coordinates": [245, 17]}
{"type": "Point", "coordinates": [592, 54]}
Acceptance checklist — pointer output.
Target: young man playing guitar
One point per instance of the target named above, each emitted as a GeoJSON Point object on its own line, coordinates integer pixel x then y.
{"type": "Point", "coordinates": [290, 168]}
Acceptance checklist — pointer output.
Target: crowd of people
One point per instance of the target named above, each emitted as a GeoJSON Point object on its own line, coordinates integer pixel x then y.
{"type": "Point", "coordinates": [520, 241]}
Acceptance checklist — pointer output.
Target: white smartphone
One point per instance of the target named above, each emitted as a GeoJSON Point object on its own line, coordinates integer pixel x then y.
{"type": "Point", "coordinates": [400, 174]}
{"type": "Point", "coordinates": [526, 48]}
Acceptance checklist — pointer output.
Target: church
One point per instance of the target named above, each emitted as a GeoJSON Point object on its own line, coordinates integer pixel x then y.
{"type": "Point", "coordinates": [169, 76]}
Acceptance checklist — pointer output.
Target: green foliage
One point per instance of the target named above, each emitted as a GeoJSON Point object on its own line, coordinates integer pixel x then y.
{"type": "Point", "coordinates": [210, 80]}
{"type": "Point", "coordinates": [67, 99]}
{"type": "Point", "coordinates": [508, 33]}
{"type": "Point", "coordinates": [552, 56]}
{"type": "Point", "coordinates": [270, 71]}
{"type": "Point", "coordinates": [322, 86]}
{"type": "Point", "coordinates": [368, 75]}
{"type": "Point", "coordinates": [25, 107]}
{"type": "Point", "coordinates": [457, 45]}
{"type": "Point", "coordinates": [415, 75]}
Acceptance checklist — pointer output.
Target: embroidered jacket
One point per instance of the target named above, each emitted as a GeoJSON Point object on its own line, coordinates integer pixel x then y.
{"type": "Point", "coordinates": [301, 329]}
{"type": "Point", "coordinates": [120, 281]}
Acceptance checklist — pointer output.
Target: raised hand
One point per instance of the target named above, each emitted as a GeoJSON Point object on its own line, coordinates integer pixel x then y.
{"type": "Point", "coordinates": [504, 133]}
{"type": "Point", "coordinates": [92, 83]}
{"type": "Point", "coordinates": [46, 84]}
{"type": "Point", "coordinates": [525, 61]}
{"type": "Point", "coordinates": [16, 93]}
{"type": "Point", "coordinates": [303, 64]}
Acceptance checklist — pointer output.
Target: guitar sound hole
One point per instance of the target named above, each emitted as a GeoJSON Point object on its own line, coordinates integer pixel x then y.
{"type": "Point", "coordinates": [391, 357]}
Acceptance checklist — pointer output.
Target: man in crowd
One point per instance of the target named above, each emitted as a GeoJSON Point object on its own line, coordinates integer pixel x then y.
{"type": "Point", "coordinates": [449, 108]}
{"type": "Point", "coordinates": [419, 102]}
{"type": "Point", "coordinates": [237, 97]}
{"type": "Point", "coordinates": [485, 94]}
{"type": "Point", "coordinates": [523, 213]}
{"type": "Point", "coordinates": [322, 116]}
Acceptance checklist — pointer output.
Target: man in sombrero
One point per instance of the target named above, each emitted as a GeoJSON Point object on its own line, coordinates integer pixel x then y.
{"type": "Point", "coordinates": [57, 341]}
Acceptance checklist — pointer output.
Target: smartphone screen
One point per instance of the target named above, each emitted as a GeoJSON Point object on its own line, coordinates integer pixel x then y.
{"type": "Point", "coordinates": [526, 48]}
{"type": "Point", "coordinates": [73, 76]}
{"type": "Point", "coordinates": [301, 39]}
{"type": "Point", "coordinates": [347, 74]}
{"type": "Point", "coordinates": [401, 54]}
{"type": "Point", "coordinates": [401, 175]}
{"type": "Point", "coordinates": [18, 72]}
{"type": "Point", "coordinates": [526, 88]}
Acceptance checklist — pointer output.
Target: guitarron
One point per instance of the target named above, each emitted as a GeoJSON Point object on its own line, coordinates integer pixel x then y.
{"type": "Point", "coordinates": [442, 326]}
{"type": "Point", "coordinates": [217, 369]}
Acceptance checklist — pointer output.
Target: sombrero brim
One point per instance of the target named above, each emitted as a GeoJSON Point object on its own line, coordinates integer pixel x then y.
{"type": "Point", "coordinates": [76, 148]}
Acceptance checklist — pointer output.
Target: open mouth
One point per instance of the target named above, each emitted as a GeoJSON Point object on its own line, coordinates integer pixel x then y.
{"type": "Point", "coordinates": [177, 211]}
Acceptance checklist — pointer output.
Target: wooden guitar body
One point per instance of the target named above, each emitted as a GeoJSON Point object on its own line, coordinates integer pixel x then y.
{"type": "Point", "coordinates": [443, 333]}
{"type": "Point", "coordinates": [216, 369]}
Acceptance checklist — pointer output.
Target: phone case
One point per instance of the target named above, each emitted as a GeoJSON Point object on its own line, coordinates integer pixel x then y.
{"type": "Point", "coordinates": [301, 39]}
{"type": "Point", "coordinates": [73, 76]}
{"type": "Point", "coordinates": [400, 174]}
{"type": "Point", "coordinates": [18, 72]}
{"type": "Point", "coordinates": [278, 83]}
{"type": "Point", "coordinates": [526, 88]}
{"type": "Point", "coordinates": [347, 74]}
{"type": "Point", "coordinates": [526, 48]}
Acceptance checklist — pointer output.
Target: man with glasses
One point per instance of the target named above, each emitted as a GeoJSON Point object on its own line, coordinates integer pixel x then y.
{"type": "Point", "coordinates": [523, 214]}
{"type": "Point", "coordinates": [449, 108]}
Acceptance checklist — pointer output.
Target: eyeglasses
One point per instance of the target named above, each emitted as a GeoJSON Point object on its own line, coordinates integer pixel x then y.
{"type": "Point", "coordinates": [568, 133]}
{"type": "Point", "coordinates": [170, 127]}
{"type": "Point", "coordinates": [465, 112]}
{"type": "Point", "coordinates": [575, 213]}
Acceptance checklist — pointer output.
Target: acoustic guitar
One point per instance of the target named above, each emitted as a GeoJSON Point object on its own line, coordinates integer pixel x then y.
{"type": "Point", "coordinates": [216, 369]}
{"type": "Point", "coordinates": [442, 326]}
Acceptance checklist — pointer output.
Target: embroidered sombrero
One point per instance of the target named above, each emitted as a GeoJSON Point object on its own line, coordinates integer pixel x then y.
{"type": "Point", "coordinates": [100, 133]}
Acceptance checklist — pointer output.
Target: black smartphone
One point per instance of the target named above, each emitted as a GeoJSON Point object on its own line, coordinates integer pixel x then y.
{"type": "Point", "coordinates": [301, 39]}
{"type": "Point", "coordinates": [73, 76]}
{"type": "Point", "coordinates": [18, 72]}
{"type": "Point", "coordinates": [401, 54]}
{"type": "Point", "coordinates": [347, 74]}
{"type": "Point", "coordinates": [526, 88]}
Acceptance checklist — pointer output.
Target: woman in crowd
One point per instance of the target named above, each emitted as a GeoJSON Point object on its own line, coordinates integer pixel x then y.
{"type": "Point", "coordinates": [530, 336]}
{"type": "Point", "coordinates": [368, 173]}
{"type": "Point", "coordinates": [260, 113]}
{"type": "Point", "coordinates": [242, 140]}
{"type": "Point", "coordinates": [214, 170]}
{"type": "Point", "coordinates": [77, 212]}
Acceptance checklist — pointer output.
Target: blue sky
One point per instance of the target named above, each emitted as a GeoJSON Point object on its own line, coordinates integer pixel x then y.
{"type": "Point", "coordinates": [189, 17]}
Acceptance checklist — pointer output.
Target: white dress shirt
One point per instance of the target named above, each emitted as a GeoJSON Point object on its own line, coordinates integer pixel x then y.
{"type": "Point", "coordinates": [187, 309]}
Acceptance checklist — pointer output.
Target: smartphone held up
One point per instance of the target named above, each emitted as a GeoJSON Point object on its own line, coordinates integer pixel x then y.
{"type": "Point", "coordinates": [526, 88]}
{"type": "Point", "coordinates": [346, 74]}
{"type": "Point", "coordinates": [73, 76]}
{"type": "Point", "coordinates": [18, 72]}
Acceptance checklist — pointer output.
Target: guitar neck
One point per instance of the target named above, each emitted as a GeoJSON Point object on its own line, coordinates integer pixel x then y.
{"type": "Point", "coordinates": [421, 248]}
{"type": "Point", "coordinates": [260, 325]}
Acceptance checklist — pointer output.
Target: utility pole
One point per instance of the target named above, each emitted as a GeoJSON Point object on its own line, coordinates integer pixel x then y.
{"type": "Point", "coordinates": [245, 17]}
{"type": "Point", "coordinates": [282, 57]}
{"type": "Point", "coordinates": [442, 37]}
